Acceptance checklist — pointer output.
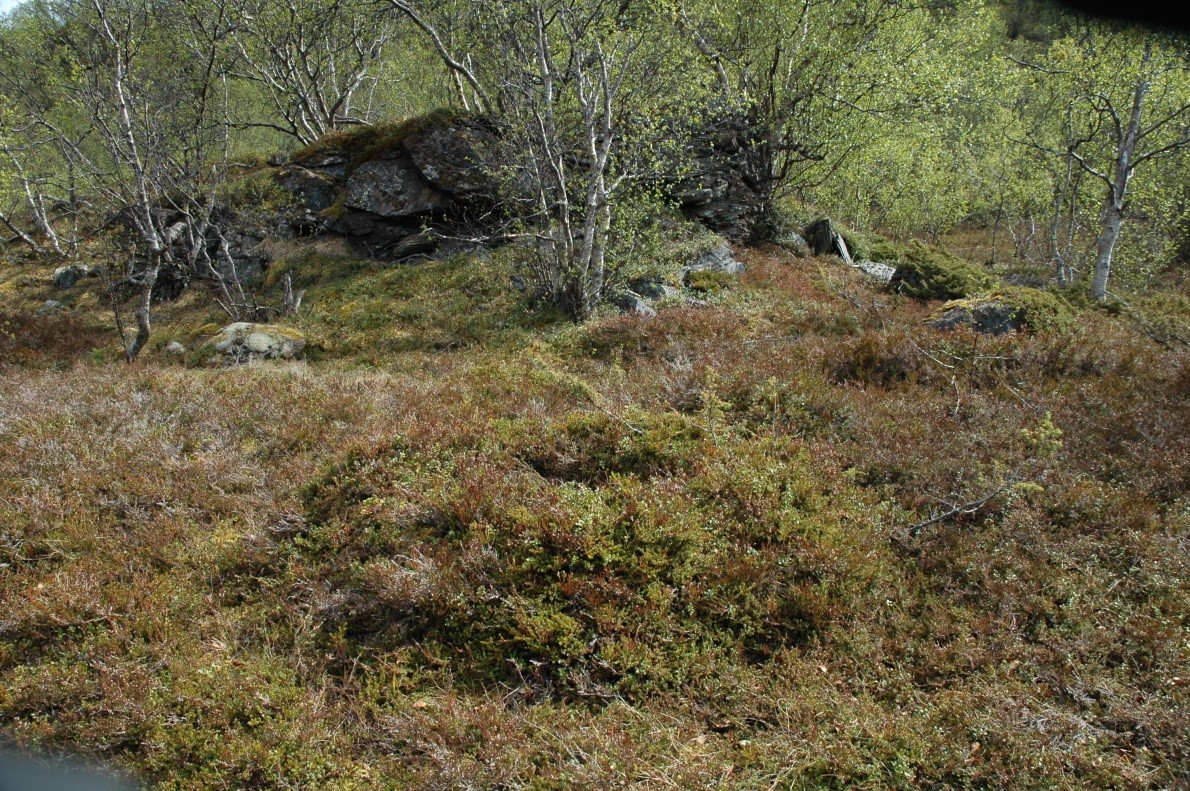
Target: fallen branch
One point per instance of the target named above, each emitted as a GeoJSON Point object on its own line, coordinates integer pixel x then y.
{"type": "Point", "coordinates": [974, 505]}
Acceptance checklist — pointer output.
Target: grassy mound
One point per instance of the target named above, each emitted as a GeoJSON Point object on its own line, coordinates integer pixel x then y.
{"type": "Point", "coordinates": [1008, 308]}
{"type": "Point", "coordinates": [647, 555]}
{"type": "Point", "coordinates": [926, 273]}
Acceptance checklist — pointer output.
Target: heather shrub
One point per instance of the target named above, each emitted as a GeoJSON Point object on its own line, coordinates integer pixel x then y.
{"type": "Point", "coordinates": [679, 556]}
{"type": "Point", "coordinates": [927, 273]}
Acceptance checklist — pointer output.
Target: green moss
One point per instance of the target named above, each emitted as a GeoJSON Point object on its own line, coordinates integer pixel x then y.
{"type": "Point", "coordinates": [709, 281]}
{"type": "Point", "coordinates": [361, 143]}
{"type": "Point", "coordinates": [1036, 309]}
{"type": "Point", "coordinates": [927, 273]}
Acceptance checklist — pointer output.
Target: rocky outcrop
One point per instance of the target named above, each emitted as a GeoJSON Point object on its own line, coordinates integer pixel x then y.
{"type": "Point", "coordinates": [399, 190]}
{"type": "Point", "coordinates": [723, 190]}
{"type": "Point", "coordinates": [405, 189]}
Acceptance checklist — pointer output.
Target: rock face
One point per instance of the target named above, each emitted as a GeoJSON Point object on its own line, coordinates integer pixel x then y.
{"type": "Point", "coordinates": [402, 194]}
{"type": "Point", "coordinates": [245, 342]}
{"type": "Point", "coordinates": [723, 191]}
{"type": "Point", "coordinates": [433, 179]}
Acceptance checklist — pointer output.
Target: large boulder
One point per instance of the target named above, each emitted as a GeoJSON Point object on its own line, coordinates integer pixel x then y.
{"type": "Point", "coordinates": [244, 342]}
{"type": "Point", "coordinates": [66, 277]}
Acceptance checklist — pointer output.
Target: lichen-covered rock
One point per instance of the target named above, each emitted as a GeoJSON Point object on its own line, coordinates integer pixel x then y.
{"type": "Point", "coordinates": [718, 259]}
{"type": "Point", "coordinates": [631, 303]}
{"type": "Point", "coordinates": [653, 288]}
{"type": "Point", "coordinates": [65, 277]}
{"type": "Point", "coordinates": [793, 242]}
{"type": "Point", "coordinates": [1005, 310]}
{"type": "Point", "coordinates": [391, 187]}
{"type": "Point", "coordinates": [244, 342]}
{"type": "Point", "coordinates": [50, 307]}
{"type": "Point", "coordinates": [882, 273]}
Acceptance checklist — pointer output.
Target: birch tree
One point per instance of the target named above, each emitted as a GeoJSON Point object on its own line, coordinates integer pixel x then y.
{"type": "Point", "coordinates": [313, 59]}
{"type": "Point", "coordinates": [581, 90]}
{"type": "Point", "coordinates": [1129, 105]}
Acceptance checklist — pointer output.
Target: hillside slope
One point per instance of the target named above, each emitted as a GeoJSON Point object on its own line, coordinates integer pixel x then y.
{"type": "Point", "coordinates": [787, 538]}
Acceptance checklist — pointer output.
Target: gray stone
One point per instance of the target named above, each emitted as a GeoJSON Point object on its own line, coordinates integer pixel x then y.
{"type": "Point", "coordinates": [717, 259]}
{"type": "Point", "coordinates": [453, 157]}
{"type": "Point", "coordinates": [842, 251]}
{"type": "Point", "coordinates": [68, 276]}
{"type": "Point", "coordinates": [877, 271]}
{"type": "Point", "coordinates": [316, 189]}
{"type": "Point", "coordinates": [51, 307]}
{"type": "Point", "coordinates": [628, 302]}
{"type": "Point", "coordinates": [245, 342]}
{"type": "Point", "coordinates": [990, 318]}
{"type": "Point", "coordinates": [391, 188]}
{"type": "Point", "coordinates": [653, 288]}
{"type": "Point", "coordinates": [175, 349]}
{"type": "Point", "coordinates": [794, 243]}
{"type": "Point", "coordinates": [820, 236]}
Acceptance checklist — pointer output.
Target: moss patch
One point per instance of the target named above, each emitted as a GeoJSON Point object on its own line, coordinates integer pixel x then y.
{"type": "Point", "coordinates": [362, 143]}
{"type": "Point", "coordinates": [927, 273]}
{"type": "Point", "coordinates": [1008, 307]}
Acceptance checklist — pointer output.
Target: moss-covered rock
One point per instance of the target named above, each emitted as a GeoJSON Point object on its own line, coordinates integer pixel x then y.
{"type": "Point", "coordinates": [1004, 310]}
{"type": "Point", "coordinates": [926, 273]}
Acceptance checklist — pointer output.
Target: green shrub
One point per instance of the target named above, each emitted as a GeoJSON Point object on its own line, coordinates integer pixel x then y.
{"type": "Point", "coordinates": [1164, 317]}
{"type": "Point", "coordinates": [926, 273]}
